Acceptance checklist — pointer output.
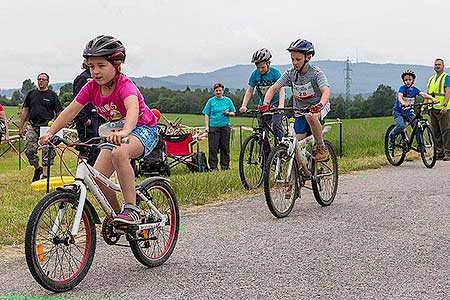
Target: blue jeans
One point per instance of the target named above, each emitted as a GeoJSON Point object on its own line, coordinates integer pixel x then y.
{"type": "Point", "coordinates": [400, 125]}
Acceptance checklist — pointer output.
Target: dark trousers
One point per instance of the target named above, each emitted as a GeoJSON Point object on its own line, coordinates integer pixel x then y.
{"type": "Point", "coordinates": [85, 133]}
{"type": "Point", "coordinates": [219, 142]}
{"type": "Point", "coordinates": [440, 124]}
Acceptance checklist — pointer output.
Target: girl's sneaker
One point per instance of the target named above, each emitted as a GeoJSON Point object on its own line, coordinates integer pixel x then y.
{"type": "Point", "coordinates": [130, 214]}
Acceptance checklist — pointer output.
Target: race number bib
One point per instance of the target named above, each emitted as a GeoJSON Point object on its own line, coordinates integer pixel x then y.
{"type": "Point", "coordinates": [303, 92]}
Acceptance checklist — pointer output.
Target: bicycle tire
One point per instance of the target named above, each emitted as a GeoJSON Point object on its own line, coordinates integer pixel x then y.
{"type": "Point", "coordinates": [71, 260]}
{"type": "Point", "coordinates": [251, 163]}
{"type": "Point", "coordinates": [277, 193]}
{"type": "Point", "coordinates": [397, 155]}
{"type": "Point", "coordinates": [325, 190]}
{"type": "Point", "coordinates": [149, 250]}
{"type": "Point", "coordinates": [428, 147]}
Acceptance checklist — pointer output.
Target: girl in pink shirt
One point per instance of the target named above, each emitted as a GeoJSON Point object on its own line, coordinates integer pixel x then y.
{"type": "Point", "coordinates": [115, 98]}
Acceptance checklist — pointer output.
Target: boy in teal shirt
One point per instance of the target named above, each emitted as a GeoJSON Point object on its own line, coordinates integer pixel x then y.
{"type": "Point", "coordinates": [262, 79]}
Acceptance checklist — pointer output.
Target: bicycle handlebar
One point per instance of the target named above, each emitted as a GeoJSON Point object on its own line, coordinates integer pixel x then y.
{"type": "Point", "coordinates": [250, 112]}
{"type": "Point", "coordinates": [418, 104]}
{"type": "Point", "coordinates": [302, 111]}
{"type": "Point", "coordinates": [94, 142]}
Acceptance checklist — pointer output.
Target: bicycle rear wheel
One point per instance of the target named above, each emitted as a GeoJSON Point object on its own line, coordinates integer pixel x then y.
{"type": "Point", "coordinates": [325, 180]}
{"type": "Point", "coordinates": [397, 154]}
{"type": "Point", "coordinates": [152, 247]}
{"type": "Point", "coordinates": [251, 162]}
{"type": "Point", "coordinates": [281, 182]}
{"type": "Point", "coordinates": [427, 148]}
{"type": "Point", "coordinates": [57, 260]}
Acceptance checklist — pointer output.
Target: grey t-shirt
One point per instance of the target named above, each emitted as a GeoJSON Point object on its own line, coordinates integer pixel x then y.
{"type": "Point", "coordinates": [307, 86]}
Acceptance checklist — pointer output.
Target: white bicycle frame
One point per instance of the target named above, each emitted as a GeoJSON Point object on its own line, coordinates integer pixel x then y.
{"type": "Point", "coordinates": [297, 150]}
{"type": "Point", "coordinates": [84, 180]}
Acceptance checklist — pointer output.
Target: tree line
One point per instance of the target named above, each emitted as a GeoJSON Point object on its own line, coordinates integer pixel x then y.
{"type": "Point", "coordinates": [190, 101]}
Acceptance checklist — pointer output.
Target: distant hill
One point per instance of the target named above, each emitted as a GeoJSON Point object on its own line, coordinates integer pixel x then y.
{"type": "Point", "coordinates": [365, 77]}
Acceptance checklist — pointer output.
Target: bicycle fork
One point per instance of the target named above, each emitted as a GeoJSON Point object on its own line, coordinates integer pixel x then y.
{"type": "Point", "coordinates": [77, 219]}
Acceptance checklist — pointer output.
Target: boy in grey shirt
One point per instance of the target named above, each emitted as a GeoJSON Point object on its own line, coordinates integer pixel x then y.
{"type": "Point", "coordinates": [310, 88]}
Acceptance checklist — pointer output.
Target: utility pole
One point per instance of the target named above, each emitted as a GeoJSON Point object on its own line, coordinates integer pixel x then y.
{"type": "Point", "coordinates": [348, 79]}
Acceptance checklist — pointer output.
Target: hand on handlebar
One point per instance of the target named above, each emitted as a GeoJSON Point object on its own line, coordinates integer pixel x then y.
{"type": "Point", "coordinates": [316, 108]}
{"type": "Point", "coordinates": [264, 108]}
{"type": "Point", "coordinates": [243, 109]}
{"type": "Point", "coordinates": [43, 140]}
{"type": "Point", "coordinates": [117, 138]}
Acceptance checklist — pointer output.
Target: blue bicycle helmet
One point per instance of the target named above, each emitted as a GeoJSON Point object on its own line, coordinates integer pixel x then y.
{"type": "Point", "coordinates": [302, 46]}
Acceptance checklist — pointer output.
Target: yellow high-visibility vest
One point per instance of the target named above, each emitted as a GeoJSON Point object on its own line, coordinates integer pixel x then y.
{"type": "Point", "coordinates": [436, 86]}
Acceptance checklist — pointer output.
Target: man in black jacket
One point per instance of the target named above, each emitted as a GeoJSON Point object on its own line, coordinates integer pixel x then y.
{"type": "Point", "coordinates": [87, 121]}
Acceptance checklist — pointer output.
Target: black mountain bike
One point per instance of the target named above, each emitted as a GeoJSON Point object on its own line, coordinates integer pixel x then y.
{"type": "Point", "coordinates": [404, 141]}
{"type": "Point", "coordinates": [255, 149]}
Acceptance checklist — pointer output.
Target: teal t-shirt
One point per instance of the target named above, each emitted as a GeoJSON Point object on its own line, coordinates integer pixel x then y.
{"type": "Point", "coordinates": [214, 108]}
{"type": "Point", "coordinates": [263, 82]}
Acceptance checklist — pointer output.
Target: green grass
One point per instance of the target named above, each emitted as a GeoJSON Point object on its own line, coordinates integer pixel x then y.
{"type": "Point", "coordinates": [362, 148]}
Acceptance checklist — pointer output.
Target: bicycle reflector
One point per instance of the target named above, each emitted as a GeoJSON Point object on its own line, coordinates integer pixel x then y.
{"type": "Point", "coordinates": [40, 252]}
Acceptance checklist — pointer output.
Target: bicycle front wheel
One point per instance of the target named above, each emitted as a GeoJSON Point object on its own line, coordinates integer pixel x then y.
{"type": "Point", "coordinates": [427, 147]}
{"type": "Point", "coordinates": [251, 162]}
{"type": "Point", "coordinates": [281, 182]}
{"type": "Point", "coordinates": [325, 180]}
{"type": "Point", "coordinates": [396, 154]}
{"type": "Point", "coordinates": [152, 247]}
{"type": "Point", "coordinates": [58, 260]}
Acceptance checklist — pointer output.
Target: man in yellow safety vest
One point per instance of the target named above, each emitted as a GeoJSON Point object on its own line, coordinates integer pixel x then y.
{"type": "Point", "coordinates": [439, 87]}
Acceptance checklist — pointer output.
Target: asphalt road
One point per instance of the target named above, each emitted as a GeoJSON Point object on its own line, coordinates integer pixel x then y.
{"type": "Point", "coordinates": [386, 236]}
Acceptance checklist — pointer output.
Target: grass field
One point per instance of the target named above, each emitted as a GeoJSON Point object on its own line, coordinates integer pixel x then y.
{"type": "Point", "coordinates": [362, 149]}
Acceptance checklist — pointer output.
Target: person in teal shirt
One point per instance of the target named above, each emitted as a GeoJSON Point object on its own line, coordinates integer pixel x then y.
{"type": "Point", "coordinates": [218, 111]}
{"type": "Point", "coordinates": [261, 79]}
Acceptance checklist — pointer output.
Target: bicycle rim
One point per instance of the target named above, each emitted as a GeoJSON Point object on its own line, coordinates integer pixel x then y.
{"type": "Point", "coordinates": [251, 163]}
{"type": "Point", "coordinates": [428, 149]}
{"type": "Point", "coordinates": [280, 182]}
{"type": "Point", "coordinates": [56, 259]}
{"type": "Point", "coordinates": [396, 155]}
{"type": "Point", "coordinates": [154, 246]}
{"type": "Point", "coordinates": [325, 181]}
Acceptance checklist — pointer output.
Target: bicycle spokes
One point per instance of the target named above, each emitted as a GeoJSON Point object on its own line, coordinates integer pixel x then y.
{"type": "Point", "coordinates": [281, 182]}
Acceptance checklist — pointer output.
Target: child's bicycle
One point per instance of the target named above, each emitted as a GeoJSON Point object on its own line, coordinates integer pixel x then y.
{"type": "Point", "coordinates": [403, 144]}
{"type": "Point", "coordinates": [60, 238]}
{"type": "Point", "coordinates": [291, 164]}
{"type": "Point", "coordinates": [255, 150]}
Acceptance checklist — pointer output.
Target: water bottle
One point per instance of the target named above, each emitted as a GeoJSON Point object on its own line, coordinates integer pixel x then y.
{"type": "Point", "coordinates": [106, 129]}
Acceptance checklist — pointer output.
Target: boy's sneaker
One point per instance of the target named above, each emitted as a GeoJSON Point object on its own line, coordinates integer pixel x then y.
{"type": "Point", "coordinates": [37, 174]}
{"type": "Point", "coordinates": [130, 214]}
{"type": "Point", "coordinates": [321, 153]}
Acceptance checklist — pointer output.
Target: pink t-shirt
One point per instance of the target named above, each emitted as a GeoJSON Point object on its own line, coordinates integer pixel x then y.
{"type": "Point", "coordinates": [112, 107]}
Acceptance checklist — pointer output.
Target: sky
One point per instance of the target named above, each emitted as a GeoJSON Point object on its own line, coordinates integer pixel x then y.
{"type": "Point", "coordinates": [171, 37]}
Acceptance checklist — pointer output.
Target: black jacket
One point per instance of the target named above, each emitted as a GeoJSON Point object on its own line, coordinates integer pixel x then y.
{"type": "Point", "coordinates": [88, 112]}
